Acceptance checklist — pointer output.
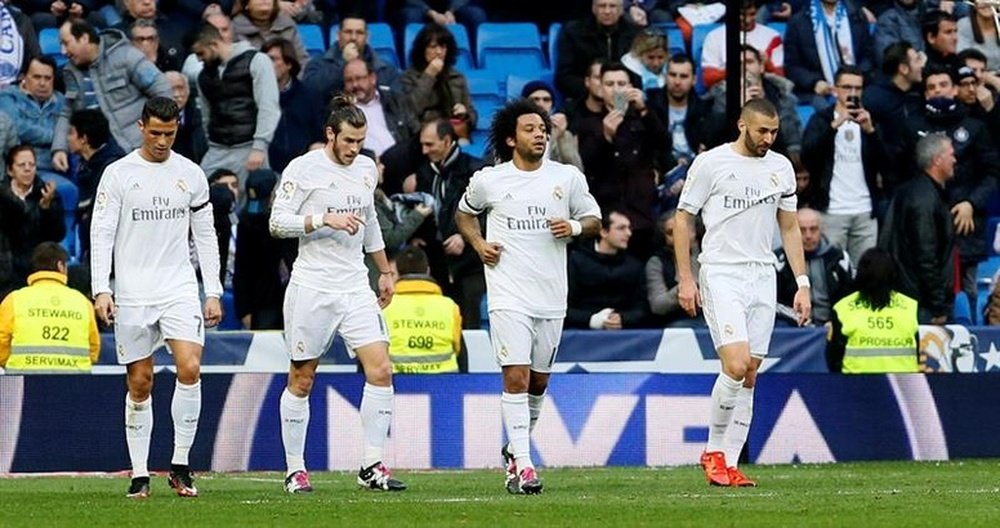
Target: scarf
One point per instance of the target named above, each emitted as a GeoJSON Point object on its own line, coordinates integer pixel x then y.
{"type": "Point", "coordinates": [11, 47]}
{"type": "Point", "coordinates": [833, 44]}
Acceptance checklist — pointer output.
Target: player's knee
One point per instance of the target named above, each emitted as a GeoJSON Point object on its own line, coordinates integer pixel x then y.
{"type": "Point", "coordinates": [301, 383]}
{"type": "Point", "coordinates": [737, 369]}
{"type": "Point", "coordinates": [538, 383]}
{"type": "Point", "coordinates": [379, 374]}
{"type": "Point", "coordinates": [516, 380]}
{"type": "Point", "coordinates": [188, 371]}
{"type": "Point", "coordinates": [140, 385]}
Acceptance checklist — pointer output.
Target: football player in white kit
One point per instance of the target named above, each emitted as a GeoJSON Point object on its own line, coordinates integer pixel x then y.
{"type": "Point", "coordinates": [534, 208]}
{"type": "Point", "coordinates": [326, 200]}
{"type": "Point", "coordinates": [146, 205]}
{"type": "Point", "coordinates": [738, 188]}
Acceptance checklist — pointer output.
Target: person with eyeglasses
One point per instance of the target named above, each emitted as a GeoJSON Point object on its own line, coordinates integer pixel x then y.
{"type": "Point", "coordinates": [977, 89]}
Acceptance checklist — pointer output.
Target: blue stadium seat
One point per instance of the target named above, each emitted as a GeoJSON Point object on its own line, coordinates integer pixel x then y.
{"type": "Point", "coordinates": [805, 112]}
{"type": "Point", "coordinates": [486, 97]}
{"type": "Point", "coordinates": [985, 272]}
{"type": "Point", "coordinates": [381, 40]}
{"type": "Point", "coordinates": [698, 35]}
{"type": "Point", "coordinates": [780, 27]}
{"type": "Point", "coordinates": [463, 62]}
{"type": "Point", "coordinates": [982, 301]}
{"type": "Point", "coordinates": [477, 144]}
{"type": "Point", "coordinates": [312, 38]}
{"type": "Point", "coordinates": [514, 46]}
{"type": "Point", "coordinates": [112, 17]}
{"type": "Point", "coordinates": [991, 229]}
{"type": "Point", "coordinates": [48, 41]}
{"type": "Point", "coordinates": [675, 39]}
{"type": "Point", "coordinates": [963, 312]}
{"type": "Point", "coordinates": [554, 44]}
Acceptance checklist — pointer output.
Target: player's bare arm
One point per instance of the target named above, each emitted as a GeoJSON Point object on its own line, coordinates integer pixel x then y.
{"type": "Point", "coordinates": [687, 290]}
{"type": "Point", "coordinates": [791, 238]}
{"type": "Point", "coordinates": [587, 226]}
{"type": "Point", "coordinates": [468, 226]}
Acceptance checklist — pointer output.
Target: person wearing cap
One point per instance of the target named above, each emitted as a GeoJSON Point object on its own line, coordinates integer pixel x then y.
{"type": "Point", "coordinates": [977, 89]}
{"type": "Point", "coordinates": [563, 146]}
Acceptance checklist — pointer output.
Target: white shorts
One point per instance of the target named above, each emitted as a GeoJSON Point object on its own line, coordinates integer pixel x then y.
{"type": "Point", "coordinates": [313, 317]}
{"type": "Point", "coordinates": [139, 329]}
{"type": "Point", "coordinates": [739, 303]}
{"type": "Point", "coordinates": [520, 339]}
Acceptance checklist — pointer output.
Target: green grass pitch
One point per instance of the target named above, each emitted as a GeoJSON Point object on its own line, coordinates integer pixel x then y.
{"type": "Point", "coordinates": [960, 493]}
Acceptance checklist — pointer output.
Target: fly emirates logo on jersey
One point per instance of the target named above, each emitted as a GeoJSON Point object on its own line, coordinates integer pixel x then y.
{"type": "Point", "coordinates": [536, 218]}
{"type": "Point", "coordinates": [740, 195]}
{"type": "Point", "coordinates": [161, 210]}
{"type": "Point", "coordinates": [354, 204]}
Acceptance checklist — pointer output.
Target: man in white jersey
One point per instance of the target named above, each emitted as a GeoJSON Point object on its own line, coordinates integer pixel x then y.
{"type": "Point", "coordinates": [534, 208]}
{"type": "Point", "coordinates": [326, 200]}
{"type": "Point", "coordinates": [738, 188]}
{"type": "Point", "coordinates": [146, 205]}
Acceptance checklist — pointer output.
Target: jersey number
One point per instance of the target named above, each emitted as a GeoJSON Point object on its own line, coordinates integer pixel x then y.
{"type": "Point", "coordinates": [57, 333]}
{"type": "Point", "coordinates": [881, 323]}
{"type": "Point", "coordinates": [425, 342]}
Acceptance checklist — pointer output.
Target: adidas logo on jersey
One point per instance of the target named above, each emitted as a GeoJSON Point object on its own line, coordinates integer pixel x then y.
{"type": "Point", "coordinates": [508, 196]}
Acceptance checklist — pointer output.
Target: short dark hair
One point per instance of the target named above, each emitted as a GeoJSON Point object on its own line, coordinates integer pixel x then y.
{"type": "Point", "coordinates": [163, 108]}
{"type": "Point", "coordinates": [47, 256]}
{"type": "Point", "coordinates": [288, 54]}
{"type": "Point", "coordinates": [756, 52]}
{"type": "Point", "coordinates": [613, 67]}
{"type": "Point", "coordinates": [847, 69]}
{"type": "Point", "coordinates": [442, 127]}
{"type": "Point", "coordinates": [79, 27]}
{"type": "Point", "coordinates": [91, 124]}
{"type": "Point", "coordinates": [218, 174]}
{"type": "Point", "coordinates": [504, 125]}
{"type": "Point", "coordinates": [972, 53]}
{"type": "Point", "coordinates": [606, 216]}
{"type": "Point", "coordinates": [46, 61]}
{"type": "Point", "coordinates": [430, 33]}
{"type": "Point", "coordinates": [895, 55]}
{"type": "Point", "coordinates": [411, 261]}
{"type": "Point", "coordinates": [939, 69]}
{"type": "Point", "coordinates": [207, 34]}
{"type": "Point", "coordinates": [759, 106]}
{"type": "Point", "coordinates": [681, 58]}
{"type": "Point", "coordinates": [931, 23]}
{"type": "Point", "coordinates": [343, 110]}
{"type": "Point", "coordinates": [12, 153]}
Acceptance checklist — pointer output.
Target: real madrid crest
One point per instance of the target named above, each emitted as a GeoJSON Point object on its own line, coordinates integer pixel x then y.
{"type": "Point", "coordinates": [557, 192]}
{"type": "Point", "coordinates": [182, 186]}
{"type": "Point", "coordinates": [774, 179]}
{"type": "Point", "coordinates": [961, 135]}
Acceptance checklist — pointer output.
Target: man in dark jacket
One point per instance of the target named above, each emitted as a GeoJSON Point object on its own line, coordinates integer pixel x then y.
{"type": "Point", "coordinates": [90, 138]}
{"type": "Point", "coordinates": [918, 231]}
{"type": "Point", "coordinates": [325, 74]}
{"type": "Point", "coordinates": [607, 289]}
{"type": "Point", "coordinates": [604, 35]}
{"type": "Point", "coordinates": [302, 121]}
{"type": "Point", "coordinates": [828, 267]}
{"type": "Point", "coordinates": [12, 213]}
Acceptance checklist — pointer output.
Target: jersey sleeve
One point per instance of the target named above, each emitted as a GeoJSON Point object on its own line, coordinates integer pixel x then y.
{"type": "Point", "coordinates": [475, 200]}
{"type": "Point", "coordinates": [581, 202]}
{"type": "Point", "coordinates": [205, 239]}
{"type": "Point", "coordinates": [789, 200]}
{"type": "Point", "coordinates": [285, 220]}
{"type": "Point", "coordinates": [104, 229]}
{"type": "Point", "coordinates": [373, 231]}
{"type": "Point", "coordinates": [697, 186]}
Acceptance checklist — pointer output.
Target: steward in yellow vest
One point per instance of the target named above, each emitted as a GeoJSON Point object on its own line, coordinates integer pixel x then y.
{"type": "Point", "coordinates": [48, 327]}
{"type": "Point", "coordinates": [425, 327]}
{"type": "Point", "coordinates": [875, 328]}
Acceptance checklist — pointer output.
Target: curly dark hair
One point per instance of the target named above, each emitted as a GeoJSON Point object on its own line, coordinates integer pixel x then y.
{"type": "Point", "coordinates": [504, 125]}
{"type": "Point", "coordinates": [429, 34]}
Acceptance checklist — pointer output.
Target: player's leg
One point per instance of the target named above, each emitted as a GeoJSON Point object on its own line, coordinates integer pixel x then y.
{"type": "Point", "coordinates": [511, 335]}
{"type": "Point", "coordinates": [185, 409]}
{"type": "Point", "coordinates": [135, 335]}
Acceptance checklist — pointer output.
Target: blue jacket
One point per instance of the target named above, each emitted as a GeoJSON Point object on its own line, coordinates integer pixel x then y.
{"type": "Point", "coordinates": [802, 63]}
{"type": "Point", "coordinates": [35, 122]}
{"type": "Point", "coordinates": [302, 123]}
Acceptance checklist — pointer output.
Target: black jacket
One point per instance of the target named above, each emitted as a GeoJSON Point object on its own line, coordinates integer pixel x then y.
{"type": "Point", "coordinates": [12, 214]}
{"type": "Point", "coordinates": [582, 41]}
{"type": "Point", "coordinates": [88, 178]}
{"type": "Point", "coordinates": [919, 234]}
{"type": "Point", "coordinates": [836, 278]}
{"type": "Point", "coordinates": [890, 109]}
{"type": "Point", "coordinates": [191, 142]}
{"type": "Point", "coordinates": [818, 155]}
{"type": "Point", "coordinates": [301, 124]}
{"type": "Point", "coordinates": [694, 122]}
{"type": "Point", "coordinates": [598, 281]}
{"type": "Point", "coordinates": [39, 225]}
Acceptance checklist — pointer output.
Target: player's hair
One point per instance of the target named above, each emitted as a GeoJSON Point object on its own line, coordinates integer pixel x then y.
{"type": "Point", "coordinates": [442, 128]}
{"type": "Point", "coordinates": [91, 124]}
{"type": "Point", "coordinates": [875, 278]}
{"type": "Point", "coordinates": [504, 125]}
{"type": "Point", "coordinates": [847, 69]}
{"type": "Point", "coordinates": [47, 61]}
{"type": "Point", "coordinates": [287, 50]}
{"type": "Point", "coordinates": [218, 174]}
{"type": "Point", "coordinates": [79, 27]}
{"type": "Point", "coordinates": [929, 147]}
{"type": "Point", "coordinates": [429, 34]}
{"type": "Point", "coordinates": [931, 23]}
{"type": "Point", "coordinates": [163, 108]}
{"type": "Point", "coordinates": [411, 261]}
{"type": "Point", "coordinates": [971, 53]}
{"type": "Point", "coordinates": [207, 34]}
{"type": "Point", "coordinates": [759, 106]}
{"type": "Point", "coordinates": [12, 153]}
{"type": "Point", "coordinates": [895, 55]}
{"type": "Point", "coordinates": [342, 110]}
{"type": "Point", "coordinates": [47, 255]}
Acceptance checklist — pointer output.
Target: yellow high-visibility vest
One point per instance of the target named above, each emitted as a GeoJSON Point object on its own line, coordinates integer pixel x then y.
{"type": "Point", "coordinates": [52, 328]}
{"type": "Point", "coordinates": [879, 341]}
{"type": "Point", "coordinates": [425, 329]}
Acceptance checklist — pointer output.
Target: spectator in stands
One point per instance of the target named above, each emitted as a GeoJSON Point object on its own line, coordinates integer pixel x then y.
{"type": "Point", "coordinates": [301, 122]}
{"type": "Point", "coordinates": [940, 33]}
{"type": "Point", "coordinates": [90, 138]}
{"type": "Point", "coordinates": [761, 37]}
{"type": "Point", "coordinates": [469, 13]}
{"type": "Point", "coordinates": [821, 38]}
{"type": "Point", "coordinates": [171, 30]}
{"type": "Point", "coordinates": [105, 72]}
{"type": "Point", "coordinates": [680, 109]}
{"type": "Point", "coordinates": [899, 23]}
{"type": "Point", "coordinates": [979, 31]}
{"type": "Point", "coordinates": [623, 149]}
{"type": "Point", "coordinates": [238, 97]}
{"type": "Point", "coordinates": [601, 36]}
{"type": "Point", "coordinates": [827, 265]}
{"type": "Point", "coordinates": [444, 175]}
{"type": "Point", "coordinates": [976, 171]}
{"type": "Point", "coordinates": [436, 89]}
{"type": "Point", "coordinates": [648, 57]}
{"type": "Point", "coordinates": [34, 106]}
{"type": "Point", "coordinates": [592, 104]}
{"type": "Point", "coordinates": [18, 43]}
{"type": "Point", "coordinates": [642, 13]}
{"type": "Point", "coordinates": [325, 74]}
{"type": "Point", "coordinates": [425, 327]}
{"type": "Point", "coordinates": [661, 279]}
{"type": "Point", "coordinates": [606, 284]}
{"type": "Point", "coordinates": [44, 220]}
{"type": "Point", "coordinates": [919, 231]}
{"type": "Point", "coordinates": [146, 36]}
{"type": "Point", "coordinates": [843, 150]}
{"type": "Point", "coordinates": [27, 342]}
{"type": "Point", "coordinates": [301, 11]}
{"type": "Point", "coordinates": [191, 141]}
{"type": "Point", "coordinates": [705, 16]}
{"type": "Point", "coordinates": [51, 14]}
{"type": "Point", "coordinates": [257, 21]}
{"type": "Point", "coordinates": [192, 64]}
{"type": "Point", "coordinates": [12, 213]}
{"type": "Point", "coordinates": [262, 264]}
{"type": "Point", "coordinates": [872, 316]}
{"type": "Point", "coordinates": [223, 194]}
{"type": "Point", "coordinates": [391, 119]}
{"type": "Point", "coordinates": [399, 218]}
{"type": "Point", "coordinates": [563, 145]}
{"type": "Point", "coordinates": [977, 90]}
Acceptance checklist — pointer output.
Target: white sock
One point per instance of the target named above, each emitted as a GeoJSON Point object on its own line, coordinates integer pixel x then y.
{"type": "Point", "coordinates": [294, 412]}
{"type": "Point", "coordinates": [723, 400]}
{"type": "Point", "coordinates": [376, 417]}
{"type": "Point", "coordinates": [534, 409]}
{"type": "Point", "coordinates": [185, 409]}
{"type": "Point", "coordinates": [138, 430]}
{"type": "Point", "coordinates": [517, 423]}
{"type": "Point", "coordinates": [739, 428]}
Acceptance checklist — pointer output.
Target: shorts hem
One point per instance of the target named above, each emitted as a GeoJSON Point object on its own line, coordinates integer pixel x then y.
{"type": "Point", "coordinates": [129, 361]}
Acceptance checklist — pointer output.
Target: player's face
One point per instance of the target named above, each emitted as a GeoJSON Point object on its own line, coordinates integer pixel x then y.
{"type": "Point", "coordinates": [758, 133]}
{"type": "Point", "coordinates": [344, 146]}
{"type": "Point", "coordinates": [157, 138]}
{"type": "Point", "coordinates": [618, 233]}
{"type": "Point", "coordinates": [809, 228]}
{"type": "Point", "coordinates": [530, 138]}
{"type": "Point", "coordinates": [23, 169]}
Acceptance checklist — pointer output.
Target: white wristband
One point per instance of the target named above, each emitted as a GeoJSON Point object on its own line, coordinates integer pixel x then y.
{"type": "Point", "coordinates": [575, 227]}
{"type": "Point", "coordinates": [317, 221]}
{"type": "Point", "coordinates": [802, 281]}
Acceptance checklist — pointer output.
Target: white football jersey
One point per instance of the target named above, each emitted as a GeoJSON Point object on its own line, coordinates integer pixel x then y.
{"type": "Point", "coordinates": [329, 260]}
{"type": "Point", "coordinates": [531, 275]}
{"type": "Point", "coordinates": [145, 214]}
{"type": "Point", "coordinates": [738, 198]}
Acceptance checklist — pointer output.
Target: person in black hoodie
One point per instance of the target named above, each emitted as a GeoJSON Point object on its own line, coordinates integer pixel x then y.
{"type": "Point", "coordinates": [607, 289]}
{"type": "Point", "coordinates": [90, 137]}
